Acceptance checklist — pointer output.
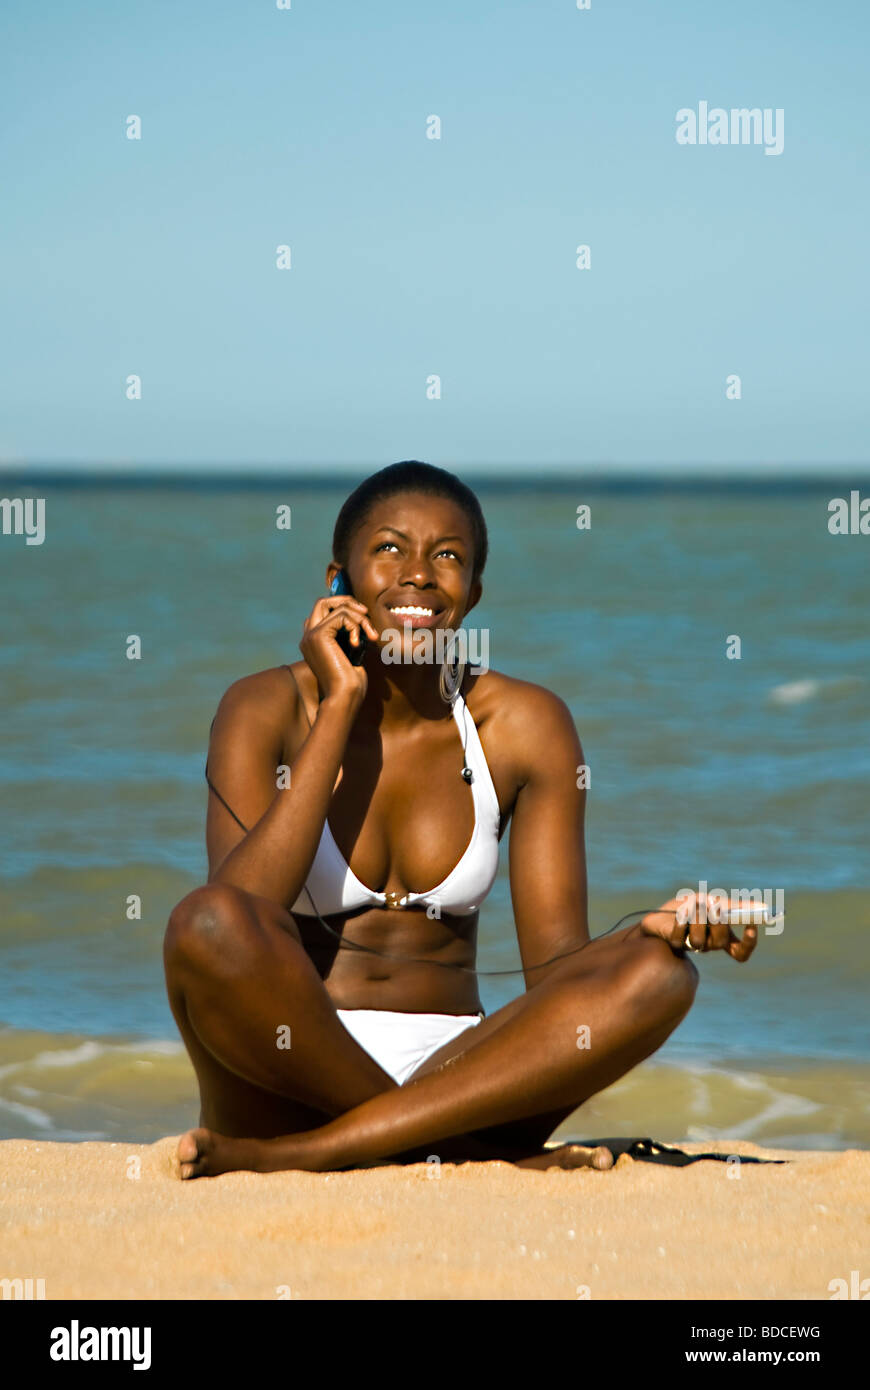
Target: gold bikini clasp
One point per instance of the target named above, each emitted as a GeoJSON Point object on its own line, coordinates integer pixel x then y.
{"type": "Point", "coordinates": [393, 900]}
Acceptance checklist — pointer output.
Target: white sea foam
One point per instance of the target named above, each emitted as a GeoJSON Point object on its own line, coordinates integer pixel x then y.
{"type": "Point", "coordinates": [795, 692]}
{"type": "Point", "coordinates": [28, 1113]}
{"type": "Point", "coordinates": [799, 692]}
{"type": "Point", "coordinates": [89, 1051]}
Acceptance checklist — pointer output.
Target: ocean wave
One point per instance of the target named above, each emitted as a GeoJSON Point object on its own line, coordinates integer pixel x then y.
{"type": "Point", "coordinates": [61, 1087]}
{"type": "Point", "coordinates": [138, 1091]}
{"type": "Point", "coordinates": [802, 691]}
{"type": "Point", "coordinates": [793, 1103]}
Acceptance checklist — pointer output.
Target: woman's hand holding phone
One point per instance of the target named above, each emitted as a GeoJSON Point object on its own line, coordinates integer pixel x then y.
{"type": "Point", "coordinates": [703, 927]}
{"type": "Point", "coordinates": [336, 675]}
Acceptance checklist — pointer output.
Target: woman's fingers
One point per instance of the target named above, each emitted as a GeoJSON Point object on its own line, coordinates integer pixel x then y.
{"type": "Point", "coordinates": [352, 606]}
{"type": "Point", "coordinates": [719, 935]}
{"type": "Point", "coordinates": [664, 923]}
{"type": "Point", "coordinates": [324, 608]}
{"type": "Point", "coordinates": [741, 949]}
{"type": "Point", "coordinates": [341, 613]}
{"type": "Point", "coordinates": [702, 924]}
{"type": "Point", "coordinates": [692, 934]}
{"type": "Point", "coordinates": [328, 604]}
{"type": "Point", "coordinates": [738, 947]}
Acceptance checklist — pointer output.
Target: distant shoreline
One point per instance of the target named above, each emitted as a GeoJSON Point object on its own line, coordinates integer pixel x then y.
{"type": "Point", "coordinates": [222, 479]}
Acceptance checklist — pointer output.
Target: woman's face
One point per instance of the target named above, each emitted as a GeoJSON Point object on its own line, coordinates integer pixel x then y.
{"type": "Point", "coordinates": [414, 551]}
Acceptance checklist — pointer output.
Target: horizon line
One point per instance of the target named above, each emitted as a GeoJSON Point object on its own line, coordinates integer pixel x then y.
{"type": "Point", "coordinates": [522, 477]}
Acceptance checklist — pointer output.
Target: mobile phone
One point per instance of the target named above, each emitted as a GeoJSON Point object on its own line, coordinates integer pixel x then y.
{"type": "Point", "coordinates": [751, 915]}
{"type": "Point", "coordinates": [341, 585]}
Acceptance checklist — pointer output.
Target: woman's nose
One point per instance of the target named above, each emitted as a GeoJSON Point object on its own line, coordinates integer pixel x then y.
{"type": "Point", "coordinates": [418, 572]}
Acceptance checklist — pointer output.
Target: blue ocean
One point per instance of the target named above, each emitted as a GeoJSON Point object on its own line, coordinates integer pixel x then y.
{"type": "Point", "coordinates": [744, 763]}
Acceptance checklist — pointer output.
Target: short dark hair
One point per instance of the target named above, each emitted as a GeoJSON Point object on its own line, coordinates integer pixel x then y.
{"type": "Point", "coordinates": [409, 476]}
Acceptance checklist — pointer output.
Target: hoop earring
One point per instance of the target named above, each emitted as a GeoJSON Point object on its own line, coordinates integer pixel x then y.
{"type": "Point", "coordinates": [452, 675]}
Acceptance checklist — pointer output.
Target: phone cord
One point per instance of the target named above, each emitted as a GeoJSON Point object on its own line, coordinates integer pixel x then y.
{"type": "Point", "coordinates": [470, 969]}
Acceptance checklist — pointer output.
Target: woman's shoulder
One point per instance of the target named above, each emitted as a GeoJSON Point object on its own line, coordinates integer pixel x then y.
{"type": "Point", "coordinates": [270, 696]}
{"type": "Point", "coordinates": [519, 706]}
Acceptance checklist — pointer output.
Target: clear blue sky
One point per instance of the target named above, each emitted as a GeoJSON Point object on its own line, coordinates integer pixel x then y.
{"type": "Point", "coordinates": [410, 256]}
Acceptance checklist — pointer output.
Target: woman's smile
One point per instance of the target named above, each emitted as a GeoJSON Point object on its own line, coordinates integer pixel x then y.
{"type": "Point", "coordinates": [417, 612]}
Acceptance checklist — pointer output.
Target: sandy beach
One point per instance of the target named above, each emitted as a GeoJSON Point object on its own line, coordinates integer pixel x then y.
{"type": "Point", "coordinates": [101, 1220]}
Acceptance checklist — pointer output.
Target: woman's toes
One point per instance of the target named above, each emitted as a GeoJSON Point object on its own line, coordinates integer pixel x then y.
{"type": "Point", "coordinates": [187, 1146]}
{"type": "Point", "coordinates": [601, 1157]}
{"type": "Point", "coordinates": [581, 1156]}
{"type": "Point", "coordinates": [192, 1148]}
{"type": "Point", "coordinates": [569, 1156]}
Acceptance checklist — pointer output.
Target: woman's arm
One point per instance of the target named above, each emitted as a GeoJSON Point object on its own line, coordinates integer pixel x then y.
{"type": "Point", "coordinates": [274, 857]}
{"type": "Point", "coordinates": [548, 855]}
{"type": "Point", "coordinates": [255, 719]}
{"type": "Point", "coordinates": [547, 849]}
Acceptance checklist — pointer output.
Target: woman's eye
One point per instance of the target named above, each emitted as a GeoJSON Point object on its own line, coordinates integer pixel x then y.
{"type": "Point", "coordinates": [445, 551]}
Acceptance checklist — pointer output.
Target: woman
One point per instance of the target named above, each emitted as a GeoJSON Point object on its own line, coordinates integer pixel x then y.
{"type": "Point", "coordinates": [333, 1024]}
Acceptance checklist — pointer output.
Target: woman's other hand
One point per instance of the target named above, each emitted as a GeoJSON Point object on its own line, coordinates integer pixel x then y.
{"type": "Point", "coordinates": [694, 922]}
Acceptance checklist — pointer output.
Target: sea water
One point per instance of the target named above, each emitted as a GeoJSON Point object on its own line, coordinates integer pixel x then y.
{"type": "Point", "coordinates": [742, 764]}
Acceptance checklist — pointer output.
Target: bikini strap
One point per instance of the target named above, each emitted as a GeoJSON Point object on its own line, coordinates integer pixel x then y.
{"type": "Point", "coordinates": [211, 784]}
{"type": "Point", "coordinates": [225, 804]}
{"type": "Point", "coordinates": [213, 788]}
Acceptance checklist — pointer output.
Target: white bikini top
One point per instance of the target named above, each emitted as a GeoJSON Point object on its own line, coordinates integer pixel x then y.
{"type": "Point", "coordinates": [335, 888]}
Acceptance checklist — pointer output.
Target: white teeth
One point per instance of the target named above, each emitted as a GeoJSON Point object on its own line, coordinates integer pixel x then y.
{"type": "Point", "coordinates": [409, 608]}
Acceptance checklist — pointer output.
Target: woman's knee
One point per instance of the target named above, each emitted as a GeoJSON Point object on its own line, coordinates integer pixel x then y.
{"type": "Point", "coordinates": [210, 919]}
{"type": "Point", "coordinates": [654, 975]}
{"type": "Point", "coordinates": [646, 982]}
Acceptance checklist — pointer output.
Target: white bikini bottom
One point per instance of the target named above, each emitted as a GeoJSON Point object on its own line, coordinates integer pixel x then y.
{"type": "Point", "coordinates": [401, 1042]}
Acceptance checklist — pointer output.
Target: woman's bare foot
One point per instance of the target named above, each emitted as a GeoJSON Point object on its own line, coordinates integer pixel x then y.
{"type": "Point", "coordinates": [569, 1156]}
{"type": "Point", "coordinates": [204, 1154]}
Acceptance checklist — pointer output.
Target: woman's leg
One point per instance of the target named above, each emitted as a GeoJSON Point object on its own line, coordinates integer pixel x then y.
{"type": "Point", "coordinates": [630, 991]}
{"type": "Point", "coordinates": [239, 982]}
{"type": "Point", "coordinates": [240, 985]}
